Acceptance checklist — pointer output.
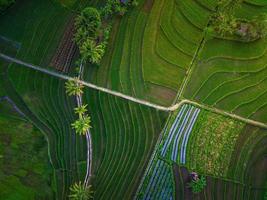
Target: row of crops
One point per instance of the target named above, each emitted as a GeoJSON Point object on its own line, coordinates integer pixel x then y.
{"type": "Point", "coordinates": [152, 47]}
{"type": "Point", "coordinates": [231, 74]}
{"type": "Point", "coordinates": [123, 135]}
{"type": "Point", "coordinates": [230, 153]}
{"type": "Point", "coordinates": [175, 141]}
{"type": "Point", "coordinates": [158, 182]}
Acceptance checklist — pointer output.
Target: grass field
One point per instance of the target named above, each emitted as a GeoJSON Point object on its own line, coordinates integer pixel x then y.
{"type": "Point", "coordinates": [24, 162]}
{"type": "Point", "coordinates": [150, 49]}
{"type": "Point", "coordinates": [231, 74]}
{"type": "Point", "coordinates": [124, 135]}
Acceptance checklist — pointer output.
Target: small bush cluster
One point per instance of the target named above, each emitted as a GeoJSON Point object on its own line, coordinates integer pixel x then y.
{"type": "Point", "coordinates": [93, 28]}
{"type": "Point", "coordinates": [87, 36]}
{"type": "Point", "coordinates": [198, 185]}
{"type": "Point", "coordinates": [117, 7]}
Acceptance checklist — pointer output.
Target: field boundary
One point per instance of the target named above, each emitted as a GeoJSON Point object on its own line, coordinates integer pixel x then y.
{"type": "Point", "coordinates": [136, 100]}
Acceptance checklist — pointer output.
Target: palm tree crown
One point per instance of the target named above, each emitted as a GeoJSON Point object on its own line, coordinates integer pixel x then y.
{"type": "Point", "coordinates": [80, 192]}
{"type": "Point", "coordinates": [81, 110]}
{"type": "Point", "coordinates": [91, 51]}
{"type": "Point", "coordinates": [81, 125]}
{"type": "Point", "coordinates": [74, 87]}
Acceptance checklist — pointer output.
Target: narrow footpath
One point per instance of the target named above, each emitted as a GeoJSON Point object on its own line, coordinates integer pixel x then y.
{"type": "Point", "coordinates": [136, 100]}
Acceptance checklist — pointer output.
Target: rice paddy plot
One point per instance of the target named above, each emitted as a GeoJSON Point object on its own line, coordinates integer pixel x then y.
{"type": "Point", "coordinates": [123, 137]}
{"type": "Point", "coordinates": [158, 182]}
{"type": "Point", "coordinates": [215, 189]}
{"type": "Point", "coordinates": [231, 74]}
{"type": "Point", "coordinates": [212, 141]}
{"type": "Point", "coordinates": [150, 50]}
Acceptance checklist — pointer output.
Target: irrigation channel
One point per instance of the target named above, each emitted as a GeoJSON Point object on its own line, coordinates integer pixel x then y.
{"type": "Point", "coordinates": [88, 136]}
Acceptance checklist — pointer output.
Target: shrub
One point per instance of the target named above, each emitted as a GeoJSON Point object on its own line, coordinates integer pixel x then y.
{"type": "Point", "coordinates": [87, 24]}
{"type": "Point", "coordinates": [198, 185]}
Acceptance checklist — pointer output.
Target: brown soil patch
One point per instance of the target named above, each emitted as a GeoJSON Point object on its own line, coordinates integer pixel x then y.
{"type": "Point", "coordinates": [148, 5]}
{"type": "Point", "coordinates": [66, 50]}
{"type": "Point", "coordinates": [162, 95]}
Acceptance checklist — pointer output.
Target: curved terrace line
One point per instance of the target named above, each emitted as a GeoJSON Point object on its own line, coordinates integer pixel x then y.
{"type": "Point", "coordinates": [136, 100]}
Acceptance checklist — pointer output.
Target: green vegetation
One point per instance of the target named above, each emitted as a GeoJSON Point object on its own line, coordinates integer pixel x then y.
{"type": "Point", "coordinates": [198, 185]}
{"type": "Point", "coordinates": [80, 110]}
{"type": "Point", "coordinates": [73, 87]}
{"type": "Point", "coordinates": [80, 192]}
{"type": "Point", "coordinates": [82, 124]}
{"type": "Point", "coordinates": [124, 135]}
{"type": "Point", "coordinates": [25, 171]}
{"type": "Point", "coordinates": [211, 142]}
{"type": "Point", "coordinates": [146, 49]}
{"type": "Point", "coordinates": [230, 73]}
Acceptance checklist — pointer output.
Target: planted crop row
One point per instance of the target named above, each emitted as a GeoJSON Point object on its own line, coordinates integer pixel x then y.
{"type": "Point", "coordinates": [123, 136]}
{"type": "Point", "coordinates": [158, 183]}
{"type": "Point", "coordinates": [215, 189]}
{"type": "Point", "coordinates": [248, 159]}
{"type": "Point", "coordinates": [174, 144]}
{"type": "Point", "coordinates": [212, 141]}
{"type": "Point", "coordinates": [45, 98]}
{"type": "Point", "coordinates": [149, 50]}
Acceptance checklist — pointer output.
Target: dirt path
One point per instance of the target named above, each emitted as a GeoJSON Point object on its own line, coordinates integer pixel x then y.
{"type": "Point", "coordinates": [136, 100]}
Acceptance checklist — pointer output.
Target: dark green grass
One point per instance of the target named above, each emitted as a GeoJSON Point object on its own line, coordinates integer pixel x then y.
{"type": "Point", "coordinates": [25, 170]}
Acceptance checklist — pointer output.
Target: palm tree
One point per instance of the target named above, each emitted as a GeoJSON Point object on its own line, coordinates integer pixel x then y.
{"type": "Point", "coordinates": [74, 87]}
{"type": "Point", "coordinates": [82, 124]}
{"type": "Point", "coordinates": [81, 110]}
{"type": "Point", "coordinates": [80, 192]}
{"type": "Point", "coordinates": [92, 52]}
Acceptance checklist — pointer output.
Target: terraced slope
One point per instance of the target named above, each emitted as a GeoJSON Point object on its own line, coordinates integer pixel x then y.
{"type": "Point", "coordinates": [152, 47]}
{"type": "Point", "coordinates": [231, 74]}
{"type": "Point", "coordinates": [123, 135]}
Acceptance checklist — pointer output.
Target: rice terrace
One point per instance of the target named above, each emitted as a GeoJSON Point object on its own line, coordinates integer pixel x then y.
{"type": "Point", "coordinates": [133, 99]}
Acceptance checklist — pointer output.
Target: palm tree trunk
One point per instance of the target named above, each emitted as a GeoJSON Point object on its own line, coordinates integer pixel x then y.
{"type": "Point", "coordinates": [88, 137]}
